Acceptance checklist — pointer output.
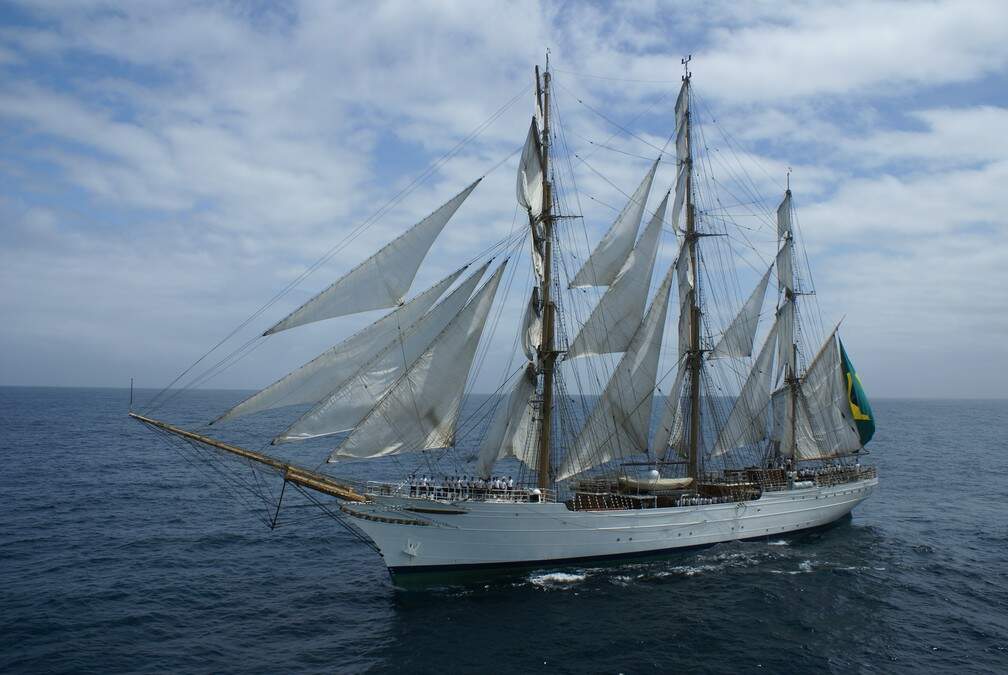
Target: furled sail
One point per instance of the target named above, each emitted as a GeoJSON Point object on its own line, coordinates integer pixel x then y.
{"type": "Point", "coordinates": [530, 173]}
{"type": "Point", "coordinates": [738, 339]}
{"type": "Point", "coordinates": [606, 261]}
{"type": "Point", "coordinates": [823, 425]}
{"type": "Point", "coordinates": [531, 333]}
{"type": "Point", "coordinates": [616, 317]}
{"type": "Point", "coordinates": [619, 425]}
{"type": "Point", "coordinates": [352, 397]}
{"type": "Point", "coordinates": [514, 420]}
{"type": "Point", "coordinates": [421, 409]}
{"type": "Point", "coordinates": [313, 381]}
{"type": "Point", "coordinates": [383, 279]}
{"type": "Point", "coordinates": [747, 421]}
{"type": "Point", "coordinates": [671, 425]}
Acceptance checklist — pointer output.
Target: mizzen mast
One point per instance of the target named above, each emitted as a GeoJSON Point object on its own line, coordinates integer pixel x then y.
{"type": "Point", "coordinates": [547, 352]}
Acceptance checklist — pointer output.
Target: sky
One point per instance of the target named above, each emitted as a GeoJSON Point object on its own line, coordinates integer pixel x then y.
{"type": "Point", "coordinates": [167, 167]}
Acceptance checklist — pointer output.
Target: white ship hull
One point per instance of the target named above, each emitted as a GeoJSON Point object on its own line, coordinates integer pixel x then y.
{"type": "Point", "coordinates": [488, 534]}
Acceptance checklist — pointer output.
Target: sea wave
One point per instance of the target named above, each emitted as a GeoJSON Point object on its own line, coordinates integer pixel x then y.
{"type": "Point", "coordinates": [556, 579]}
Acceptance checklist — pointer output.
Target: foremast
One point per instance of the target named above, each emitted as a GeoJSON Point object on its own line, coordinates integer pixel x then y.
{"type": "Point", "coordinates": [547, 348]}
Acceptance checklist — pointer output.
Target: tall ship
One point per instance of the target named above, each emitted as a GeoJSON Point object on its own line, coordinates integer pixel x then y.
{"type": "Point", "coordinates": [645, 411]}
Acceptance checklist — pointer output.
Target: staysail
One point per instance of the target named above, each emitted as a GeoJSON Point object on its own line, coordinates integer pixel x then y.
{"type": "Point", "coordinates": [510, 431]}
{"type": "Point", "coordinates": [606, 261]}
{"type": "Point", "coordinates": [671, 427]}
{"type": "Point", "coordinates": [738, 338]}
{"type": "Point", "coordinates": [747, 423]}
{"type": "Point", "coordinates": [313, 381]}
{"type": "Point", "coordinates": [421, 409]}
{"type": "Point", "coordinates": [350, 399]}
{"type": "Point", "coordinates": [382, 280]}
{"type": "Point", "coordinates": [619, 424]}
{"type": "Point", "coordinates": [614, 320]}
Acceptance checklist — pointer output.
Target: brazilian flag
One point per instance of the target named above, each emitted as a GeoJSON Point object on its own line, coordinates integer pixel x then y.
{"type": "Point", "coordinates": [860, 408]}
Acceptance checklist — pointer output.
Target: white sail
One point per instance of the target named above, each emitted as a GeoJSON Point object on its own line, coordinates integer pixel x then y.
{"type": "Point", "coordinates": [682, 105]}
{"type": "Point", "coordinates": [606, 261]}
{"type": "Point", "coordinates": [682, 144]}
{"type": "Point", "coordinates": [785, 338]}
{"type": "Point", "coordinates": [531, 331]}
{"type": "Point", "coordinates": [785, 268]}
{"type": "Point", "coordinates": [620, 423]}
{"type": "Point", "coordinates": [682, 128]}
{"type": "Point", "coordinates": [421, 409]}
{"type": "Point", "coordinates": [383, 279]}
{"type": "Point", "coordinates": [823, 424]}
{"type": "Point", "coordinates": [530, 173]}
{"type": "Point", "coordinates": [508, 435]}
{"type": "Point", "coordinates": [784, 217]}
{"type": "Point", "coordinates": [671, 427]}
{"type": "Point", "coordinates": [684, 275]}
{"type": "Point", "coordinates": [352, 397]}
{"type": "Point", "coordinates": [615, 319]}
{"type": "Point", "coordinates": [316, 379]}
{"type": "Point", "coordinates": [737, 339]}
{"type": "Point", "coordinates": [680, 197]}
{"type": "Point", "coordinates": [747, 421]}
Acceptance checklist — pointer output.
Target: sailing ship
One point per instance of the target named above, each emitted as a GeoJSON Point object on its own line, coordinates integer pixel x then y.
{"type": "Point", "coordinates": [745, 443]}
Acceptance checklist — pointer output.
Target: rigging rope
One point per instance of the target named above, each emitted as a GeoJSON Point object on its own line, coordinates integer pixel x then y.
{"type": "Point", "coordinates": [355, 232]}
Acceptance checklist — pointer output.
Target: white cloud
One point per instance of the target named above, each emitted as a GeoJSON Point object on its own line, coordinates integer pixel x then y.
{"type": "Point", "coordinates": [174, 164]}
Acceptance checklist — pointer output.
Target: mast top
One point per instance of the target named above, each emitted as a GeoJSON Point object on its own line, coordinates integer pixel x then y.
{"type": "Point", "coordinates": [685, 64]}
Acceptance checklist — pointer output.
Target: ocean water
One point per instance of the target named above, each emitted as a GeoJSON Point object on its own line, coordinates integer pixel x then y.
{"type": "Point", "coordinates": [119, 554]}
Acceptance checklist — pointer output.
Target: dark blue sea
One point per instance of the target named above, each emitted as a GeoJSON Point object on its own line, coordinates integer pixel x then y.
{"type": "Point", "coordinates": [119, 553]}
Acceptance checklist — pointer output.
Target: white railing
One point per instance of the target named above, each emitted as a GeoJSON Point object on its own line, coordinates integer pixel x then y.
{"type": "Point", "coordinates": [455, 493]}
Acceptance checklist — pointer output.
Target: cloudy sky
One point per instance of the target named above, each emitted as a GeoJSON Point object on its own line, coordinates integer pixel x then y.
{"type": "Point", "coordinates": [168, 167]}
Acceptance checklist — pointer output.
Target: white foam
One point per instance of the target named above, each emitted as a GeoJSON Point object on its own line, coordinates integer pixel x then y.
{"type": "Point", "coordinates": [693, 570]}
{"type": "Point", "coordinates": [554, 579]}
{"type": "Point", "coordinates": [778, 542]}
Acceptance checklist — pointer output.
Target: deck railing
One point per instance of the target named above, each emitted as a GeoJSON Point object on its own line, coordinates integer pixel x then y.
{"type": "Point", "coordinates": [455, 493]}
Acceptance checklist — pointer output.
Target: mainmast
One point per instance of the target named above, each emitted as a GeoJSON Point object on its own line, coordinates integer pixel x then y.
{"type": "Point", "coordinates": [695, 354]}
{"type": "Point", "coordinates": [547, 353]}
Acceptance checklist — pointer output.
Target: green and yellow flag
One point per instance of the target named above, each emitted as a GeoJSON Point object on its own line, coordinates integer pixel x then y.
{"type": "Point", "coordinates": [860, 408]}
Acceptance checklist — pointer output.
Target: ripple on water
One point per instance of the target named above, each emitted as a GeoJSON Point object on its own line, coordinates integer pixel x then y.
{"type": "Point", "coordinates": [144, 564]}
